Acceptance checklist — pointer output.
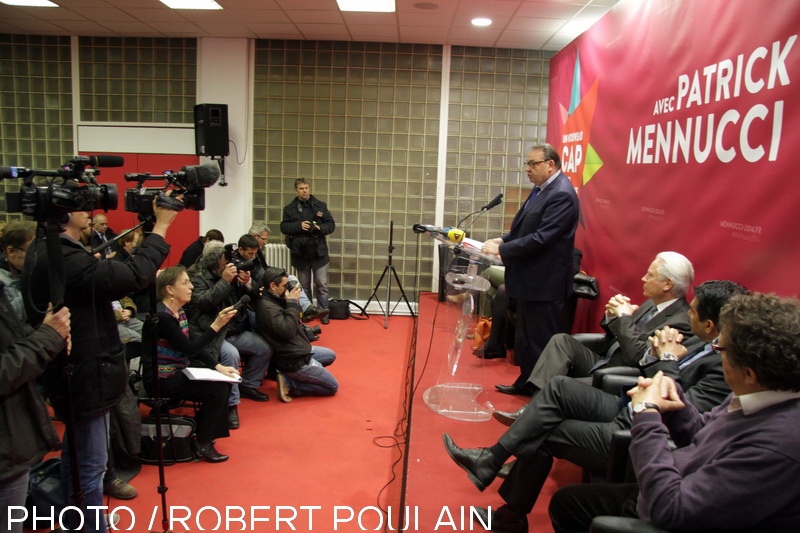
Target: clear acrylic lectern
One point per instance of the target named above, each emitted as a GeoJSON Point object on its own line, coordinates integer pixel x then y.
{"type": "Point", "coordinates": [450, 396]}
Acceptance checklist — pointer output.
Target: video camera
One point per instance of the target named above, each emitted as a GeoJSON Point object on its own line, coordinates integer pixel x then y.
{"type": "Point", "coordinates": [72, 187]}
{"type": "Point", "coordinates": [190, 183]}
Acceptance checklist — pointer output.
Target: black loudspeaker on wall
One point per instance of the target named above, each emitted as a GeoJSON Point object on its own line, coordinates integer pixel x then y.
{"type": "Point", "coordinates": [211, 129]}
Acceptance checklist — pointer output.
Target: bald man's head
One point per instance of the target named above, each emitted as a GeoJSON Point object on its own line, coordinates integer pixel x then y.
{"type": "Point", "coordinates": [100, 223]}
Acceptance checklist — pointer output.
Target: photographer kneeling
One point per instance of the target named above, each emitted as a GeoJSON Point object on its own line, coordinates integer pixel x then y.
{"type": "Point", "coordinates": [177, 350]}
{"type": "Point", "coordinates": [299, 364]}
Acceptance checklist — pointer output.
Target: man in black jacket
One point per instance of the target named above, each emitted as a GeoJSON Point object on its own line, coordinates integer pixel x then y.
{"type": "Point", "coordinates": [97, 355]}
{"type": "Point", "coordinates": [300, 365]}
{"type": "Point", "coordinates": [26, 433]}
{"type": "Point", "coordinates": [306, 222]}
{"type": "Point", "coordinates": [573, 420]}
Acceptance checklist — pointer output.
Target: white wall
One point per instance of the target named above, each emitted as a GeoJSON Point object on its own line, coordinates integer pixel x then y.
{"type": "Point", "coordinates": [224, 76]}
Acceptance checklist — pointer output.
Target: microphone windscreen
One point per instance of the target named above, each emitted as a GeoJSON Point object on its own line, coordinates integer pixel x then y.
{"type": "Point", "coordinates": [455, 235]}
{"type": "Point", "coordinates": [106, 160]}
{"type": "Point", "coordinates": [201, 176]}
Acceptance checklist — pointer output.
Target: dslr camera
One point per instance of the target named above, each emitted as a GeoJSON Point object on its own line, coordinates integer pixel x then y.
{"type": "Point", "coordinates": [248, 265]}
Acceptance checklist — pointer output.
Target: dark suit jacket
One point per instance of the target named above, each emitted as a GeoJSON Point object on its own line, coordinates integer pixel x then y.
{"type": "Point", "coordinates": [95, 241]}
{"type": "Point", "coordinates": [703, 381]}
{"type": "Point", "coordinates": [537, 250]}
{"type": "Point", "coordinates": [632, 343]}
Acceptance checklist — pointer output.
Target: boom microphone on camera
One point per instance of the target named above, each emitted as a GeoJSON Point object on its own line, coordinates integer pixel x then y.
{"type": "Point", "coordinates": [201, 176]}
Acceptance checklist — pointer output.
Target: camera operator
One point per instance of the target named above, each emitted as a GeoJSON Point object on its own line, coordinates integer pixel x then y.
{"type": "Point", "coordinates": [218, 284]}
{"type": "Point", "coordinates": [97, 356]}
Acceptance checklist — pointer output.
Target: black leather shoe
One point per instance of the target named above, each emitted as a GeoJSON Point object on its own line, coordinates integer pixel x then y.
{"type": "Point", "coordinates": [511, 389]}
{"type": "Point", "coordinates": [233, 417]}
{"type": "Point", "coordinates": [325, 320]}
{"type": "Point", "coordinates": [314, 312]}
{"type": "Point", "coordinates": [252, 394]}
{"type": "Point", "coordinates": [206, 450]}
{"type": "Point", "coordinates": [479, 463]}
{"type": "Point", "coordinates": [503, 520]}
{"type": "Point", "coordinates": [507, 418]}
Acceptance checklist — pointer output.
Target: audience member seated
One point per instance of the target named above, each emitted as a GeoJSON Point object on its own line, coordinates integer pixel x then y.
{"type": "Point", "coordinates": [219, 284]}
{"type": "Point", "coordinates": [627, 325]}
{"type": "Point", "coordinates": [101, 234]}
{"type": "Point", "coordinates": [193, 252]}
{"type": "Point", "coordinates": [177, 349]}
{"type": "Point", "coordinates": [125, 246]}
{"type": "Point", "coordinates": [128, 325]}
{"type": "Point", "coordinates": [261, 232]}
{"type": "Point", "coordinates": [573, 420]}
{"type": "Point", "coordinates": [17, 238]}
{"type": "Point", "coordinates": [300, 365]}
{"type": "Point", "coordinates": [736, 467]}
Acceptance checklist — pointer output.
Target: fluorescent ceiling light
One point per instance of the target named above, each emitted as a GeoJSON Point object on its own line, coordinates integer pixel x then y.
{"type": "Point", "coordinates": [29, 3]}
{"type": "Point", "coordinates": [372, 6]}
{"type": "Point", "coordinates": [481, 21]}
{"type": "Point", "coordinates": [191, 4]}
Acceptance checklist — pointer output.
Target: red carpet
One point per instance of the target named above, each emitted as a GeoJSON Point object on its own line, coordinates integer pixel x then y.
{"type": "Point", "coordinates": [312, 452]}
{"type": "Point", "coordinates": [434, 484]}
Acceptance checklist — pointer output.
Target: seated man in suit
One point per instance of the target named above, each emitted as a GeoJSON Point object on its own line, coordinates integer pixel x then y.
{"type": "Point", "coordinates": [573, 420]}
{"type": "Point", "coordinates": [736, 467]}
{"type": "Point", "coordinates": [101, 233]}
{"type": "Point", "coordinates": [627, 326]}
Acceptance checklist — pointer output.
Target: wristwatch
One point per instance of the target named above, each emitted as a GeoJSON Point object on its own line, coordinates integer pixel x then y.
{"type": "Point", "coordinates": [667, 356]}
{"type": "Point", "coordinates": [641, 406]}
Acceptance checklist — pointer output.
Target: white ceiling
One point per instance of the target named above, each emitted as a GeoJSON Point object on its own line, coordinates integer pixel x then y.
{"type": "Point", "coordinates": [531, 24]}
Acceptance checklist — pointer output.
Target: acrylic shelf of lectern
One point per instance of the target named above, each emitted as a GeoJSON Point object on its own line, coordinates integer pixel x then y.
{"type": "Point", "coordinates": [453, 397]}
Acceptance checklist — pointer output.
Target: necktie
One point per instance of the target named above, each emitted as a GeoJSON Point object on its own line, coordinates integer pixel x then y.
{"type": "Point", "coordinates": [645, 318]}
{"type": "Point", "coordinates": [534, 193]}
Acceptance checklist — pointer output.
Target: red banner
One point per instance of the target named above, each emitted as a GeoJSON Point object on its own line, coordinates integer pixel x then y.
{"type": "Point", "coordinates": [678, 121]}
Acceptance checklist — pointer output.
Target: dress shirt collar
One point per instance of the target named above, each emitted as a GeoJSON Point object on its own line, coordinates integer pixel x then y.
{"type": "Point", "coordinates": [664, 305]}
{"type": "Point", "coordinates": [755, 401]}
{"type": "Point", "coordinates": [550, 180]}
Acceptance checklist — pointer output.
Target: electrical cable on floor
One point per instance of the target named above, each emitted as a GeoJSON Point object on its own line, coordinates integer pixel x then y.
{"type": "Point", "coordinates": [399, 437]}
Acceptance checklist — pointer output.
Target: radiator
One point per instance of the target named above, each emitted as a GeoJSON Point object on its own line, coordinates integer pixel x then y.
{"type": "Point", "coordinates": [277, 255]}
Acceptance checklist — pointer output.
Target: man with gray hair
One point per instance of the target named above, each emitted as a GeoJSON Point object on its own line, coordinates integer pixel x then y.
{"type": "Point", "coordinates": [627, 327]}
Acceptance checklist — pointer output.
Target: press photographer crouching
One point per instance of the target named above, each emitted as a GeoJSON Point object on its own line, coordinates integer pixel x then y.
{"type": "Point", "coordinates": [177, 349]}
{"type": "Point", "coordinates": [300, 365]}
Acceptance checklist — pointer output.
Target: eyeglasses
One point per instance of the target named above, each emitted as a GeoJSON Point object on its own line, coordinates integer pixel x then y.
{"type": "Point", "coordinates": [718, 348]}
{"type": "Point", "coordinates": [533, 163]}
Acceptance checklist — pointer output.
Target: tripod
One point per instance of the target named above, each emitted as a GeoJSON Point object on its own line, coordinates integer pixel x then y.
{"type": "Point", "coordinates": [389, 268]}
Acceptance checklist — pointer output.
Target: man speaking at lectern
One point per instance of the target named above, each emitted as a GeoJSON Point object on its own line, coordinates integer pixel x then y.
{"type": "Point", "coordinates": [537, 253]}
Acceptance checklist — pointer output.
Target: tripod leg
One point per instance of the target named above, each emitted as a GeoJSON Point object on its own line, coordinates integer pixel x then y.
{"type": "Point", "coordinates": [388, 296]}
{"type": "Point", "coordinates": [375, 290]}
{"type": "Point", "coordinates": [402, 292]}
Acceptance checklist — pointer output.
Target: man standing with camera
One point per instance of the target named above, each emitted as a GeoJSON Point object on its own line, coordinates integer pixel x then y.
{"type": "Point", "coordinates": [86, 381]}
{"type": "Point", "coordinates": [306, 222]}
